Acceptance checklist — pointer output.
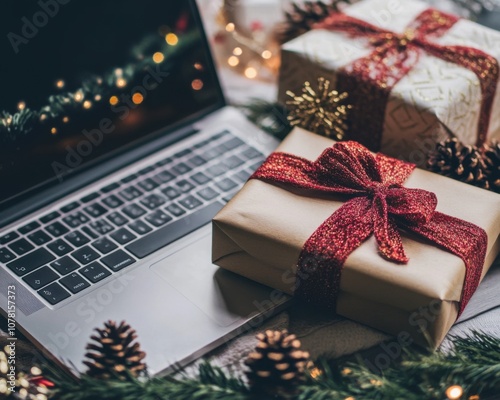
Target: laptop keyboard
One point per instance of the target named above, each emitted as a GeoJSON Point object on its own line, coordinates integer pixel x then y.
{"type": "Point", "coordinates": [67, 251]}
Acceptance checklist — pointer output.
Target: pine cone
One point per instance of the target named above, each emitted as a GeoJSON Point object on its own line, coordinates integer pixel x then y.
{"type": "Point", "coordinates": [491, 157]}
{"type": "Point", "coordinates": [455, 160]}
{"type": "Point", "coordinates": [113, 354]}
{"type": "Point", "coordinates": [301, 18]}
{"type": "Point", "coordinates": [277, 365]}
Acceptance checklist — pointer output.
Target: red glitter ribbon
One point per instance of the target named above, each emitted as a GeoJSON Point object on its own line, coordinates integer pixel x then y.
{"type": "Point", "coordinates": [369, 80]}
{"type": "Point", "coordinates": [377, 204]}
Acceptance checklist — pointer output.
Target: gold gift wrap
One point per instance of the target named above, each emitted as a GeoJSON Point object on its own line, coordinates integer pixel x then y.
{"type": "Point", "coordinates": [435, 100]}
{"type": "Point", "coordinates": [260, 233]}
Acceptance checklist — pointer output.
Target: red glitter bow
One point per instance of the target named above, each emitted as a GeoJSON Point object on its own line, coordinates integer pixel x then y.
{"type": "Point", "coordinates": [369, 80]}
{"type": "Point", "coordinates": [377, 205]}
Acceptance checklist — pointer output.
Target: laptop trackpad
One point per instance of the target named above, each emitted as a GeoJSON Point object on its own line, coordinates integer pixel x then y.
{"type": "Point", "coordinates": [223, 296]}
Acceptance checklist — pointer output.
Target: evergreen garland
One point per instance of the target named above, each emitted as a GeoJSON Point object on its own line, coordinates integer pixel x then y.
{"type": "Point", "coordinates": [471, 367]}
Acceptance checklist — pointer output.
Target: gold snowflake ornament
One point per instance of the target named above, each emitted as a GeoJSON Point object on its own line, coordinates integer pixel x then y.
{"type": "Point", "coordinates": [322, 111]}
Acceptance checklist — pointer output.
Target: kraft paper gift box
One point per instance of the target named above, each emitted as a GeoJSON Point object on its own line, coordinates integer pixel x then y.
{"type": "Point", "coordinates": [435, 100]}
{"type": "Point", "coordinates": [260, 234]}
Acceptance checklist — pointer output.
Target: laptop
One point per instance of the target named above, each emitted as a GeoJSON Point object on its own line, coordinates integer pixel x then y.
{"type": "Point", "coordinates": [116, 150]}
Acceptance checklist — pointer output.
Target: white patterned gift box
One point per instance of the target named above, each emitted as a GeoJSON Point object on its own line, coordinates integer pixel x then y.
{"type": "Point", "coordinates": [436, 99]}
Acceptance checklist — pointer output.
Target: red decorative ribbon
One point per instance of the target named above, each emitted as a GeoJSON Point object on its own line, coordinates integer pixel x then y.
{"type": "Point", "coordinates": [369, 80]}
{"type": "Point", "coordinates": [377, 205]}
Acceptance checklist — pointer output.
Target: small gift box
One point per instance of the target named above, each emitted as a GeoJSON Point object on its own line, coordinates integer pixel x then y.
{"type": "Point", "coordinates": [414, 75]}
{"type": "Point", "coordinates": [313, 217]}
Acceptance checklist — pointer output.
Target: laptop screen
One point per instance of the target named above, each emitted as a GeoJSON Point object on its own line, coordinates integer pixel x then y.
{"type": "Point", "coordinates": [80, 80]}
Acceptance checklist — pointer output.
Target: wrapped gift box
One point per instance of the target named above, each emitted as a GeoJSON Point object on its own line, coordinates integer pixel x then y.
{"type": "Point", "coordinates": [436, 99]}
{"type": "Point", "coordinates": [262, 230]}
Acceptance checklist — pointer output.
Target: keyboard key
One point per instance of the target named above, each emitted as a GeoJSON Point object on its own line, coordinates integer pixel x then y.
{"type": "Point", "coordinates": [95, 210]}
{"type": "Point", "coordinates": [146, 170]}
{"type": "Point", "coordinates": [90, 197]}
{"type": "Point", "coordinates": [190, 202]}
{"type": "Point", "coordinates": [175, 210]}
{"type": "Point", "coordinates": [201, 144]}
{"type": "Point", "coordinates": [185, 186]}
{"type": "Point", "coordinates": [197, 161]}
{"type": "Point", "coordinates": [165, 161]}
{"type": "Point", "coordinates": [130, 193]}
{"type": "Point", "coordinates": [49, 217]}
{"type": "Point", "coordinates": [29, 227]}
{"type": "Point", "coordinates": [102, 227]}
{"type": "Point", "coordinates": [208, 193]}
{"type": "Point", "coordinates": [39, 238]}
{"type": "Point", "coordinates": [164, 177]}
{"type": "Point", "coordinates": [30, 262]}
{"type": "Point", "coordinates": [85, 255]}
{"type": "Point", "coordinates": [130, 178]}
{"type": "Point", "coordinates": [6, 255]}
{"type": "Point", "coordinates": [56, 229]}
{"type": "Point", "coordinates": [21, 246]}
{"type": "Point", "coordinates": [148, 184]}
{"type": "Point", "coordinates": [95, 272]}
{"type": "Point", "coordinates": [153, 201]}
{"type": "Point", "coordinates": [233, 143]}
{"type": "Point", "coordinates": [171, 193]}
{"type": "Point", "coordinates": [140, 227]}
{"type": "Point", "coordinates": [212, 153]}
{"type": "Point", "coordinates": [226, 184]}
{"type": "Point", "coordinates": [181, 169]}
{"type": "Point", "coordinates": [233, 162]}
{"type": "Point", "coordinates": [40, 278]}
{"type": "Point", "coordinates": [156, 240]}
{"type": "Point", "coordinates": [64, 265]}
{"type": "Point", "coordinates": [182, 153]}
{"type": "Point", "coordinates": [70, 207]}
{"type": "Point", "coordinates": [75, 220]}
{"type": "Point", "coordinates": [110, 188]}
{"type": "Point", "coordinates": [250, 153]}
{"type": "Point", "coordinates": [134, 211]}
{"type": "Point", "coordinates": [216, 170]}
{"type": "Point", "coordinates": [104, 245]}
{"type": "Point", "coordinates": [200, 178]}
{"type": "Point", "coordinates": [89, 232]}
{"type": "Point", "coordinates": [158, 218]}
{"type": "Point", "coordinates": [60, 247]}
{"type": "Point", "coordinates": [117, 218]}
{"type": "Point", "coordinates": [221, 134]}
{"type": "Point", "coordinates": [77, 238]}
{"type": "Point", "coordinates": [54, 293]}
{"type": "Point", "coordinates": [9, 237]}
{"type": "Point", "coordinates": [118, 260]}
{"type": "Point", "coordinates": [74, 283]}
{"type": "Point", "coordinates": [123, 236]}
{"type": "Point", "coordinates": [112, 201]}
{"type": "Point", "coordinates": [242, 176]}
{"type": "Point", "coordinates": [256, 165]}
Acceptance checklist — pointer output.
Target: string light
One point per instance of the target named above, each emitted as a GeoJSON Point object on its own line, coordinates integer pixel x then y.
{"type": "Point", "coordinates": [79, 96]}
{"type": "Point", "coordinates": [121, 83]}
{"type": "Point", "coordinates": [230, 27]}
{"type": "Point", "coordinates": [158, 57]}
{"type": "Point", "coordinates": [113, 100]}
{"type": "Point", "coordinates": [233, 61]}
{"type": "Point", "coordinates": [251, 73]}
{"type": "Point", "coordinates": [21, 105]}
{"type": "Point", "coordinates": [315, 373]}
{"type": "Point", "coordinates": [474, 397]}
{"type": "Point", "coordinates": [53, 131]}
{"type": "Point", "coordinates": [60, 84]}
{"type": "Point", "coordinates": [198, 66]}
{"type": "Point", "coordinates": [65, 120]}
{"type": "Point", "coordinates": [97, 97]}
{"type": "Point", "coordinates": [43, 117]}
{"type": "Point", "coordinates": [197, 84]}
{"type": "Point", "coordinates": [118, 72]}
{"type": "Point", "coordinates": [87, 104]}
{"type": "Point", "coordinates": [171, 39]}
{"type": "Point", "coordinates": [99, 81]}
{"type": "Point", "coordinates": [9, 120]}
{"type": "Point", "coordinates": [238, 51]}
{"type": "Point", "coordinates": [350, 398]}
{"type": "Point", "coordinates": [454, 392]}
{"type": "Point", "coordinates": [137, 98]}
{"type": "Point", "coordinates": [266, 54]}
